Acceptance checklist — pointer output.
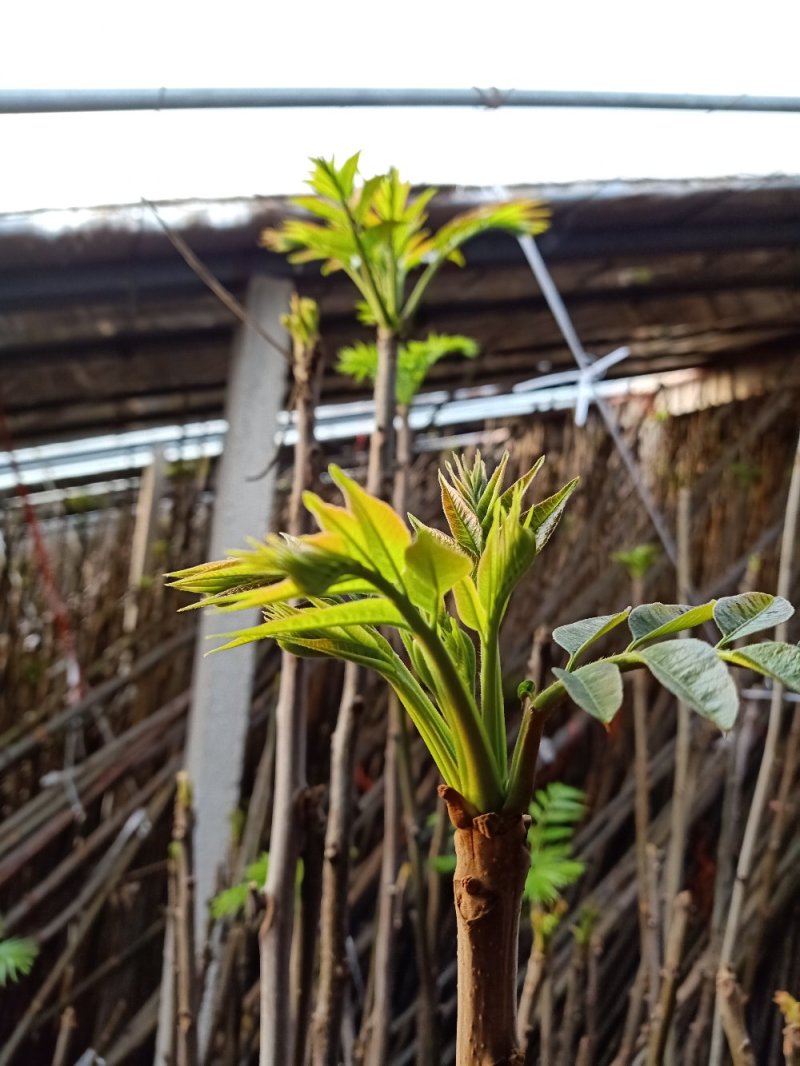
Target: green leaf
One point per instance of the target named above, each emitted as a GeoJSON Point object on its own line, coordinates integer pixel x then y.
{"type": "Point", "coordinates": [578, 636]}
{"type": "Point", "coordinates": [739, 616]}
{"type": "Point", "coordinates": [492, 492]}
{"type": "Point", "coordinates": [596, 688]}
{"type": "Point", "coordinates": [462, 519]}
{"type": "Point", "coordinates": [543, 518]}
{"type": "Point", "coordinates": [468, 604]}
{"type": "Point", "coordinates": [638, 560]}
{"type": "Point", "coordinates": [693, 672]}
{"type": "Point", "coordinates": [509, 552]}
{"type": "Point", "coordinates": [339, 520]}
{"type": "Point", "coordinates": [384, 532]}
{"type": "Point", "coordinates": [549, 874]}
{"type": "Point", "coordinates": [521, 485]}
{"type": "Point", "coordinates": [375, 611]}
{"type": "Point", "coordinates": [651, 621]}
{"type": "Point", "coordinates": [314, 562]}
{"type": "Point", "coordinates": [434, 564]}
{"type": "Point", "coordinates": [414, 359]}
{"type": "Point", "coordinates": [460, 649]}
{"type": "Point", "coordinates": [555, 811]}
{"type": "Point", "coordinates": [17, 956]}
{"type": "Point", "coordinates": [778, 661]}
{"type": "Point", "coordinates": [442, 864]}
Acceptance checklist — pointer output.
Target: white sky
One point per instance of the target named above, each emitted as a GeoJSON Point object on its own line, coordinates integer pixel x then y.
{"type": "Point", "coordinates": [702, 46]}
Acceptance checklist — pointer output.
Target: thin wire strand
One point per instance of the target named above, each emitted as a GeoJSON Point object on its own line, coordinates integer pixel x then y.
{"type": "Point", "coordinates": [225, 296]}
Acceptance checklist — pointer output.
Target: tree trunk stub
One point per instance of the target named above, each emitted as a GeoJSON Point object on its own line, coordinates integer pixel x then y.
{"type": "Point", "coordinates": [492, 861]}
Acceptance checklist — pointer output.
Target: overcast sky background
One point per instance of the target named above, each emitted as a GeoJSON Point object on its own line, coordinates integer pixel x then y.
{"type": "Point", "coordinates": [684, 46]}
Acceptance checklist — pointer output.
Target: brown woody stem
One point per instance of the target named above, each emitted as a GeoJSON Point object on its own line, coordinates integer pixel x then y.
{"type": "Point", "coordinates": [492, 861]}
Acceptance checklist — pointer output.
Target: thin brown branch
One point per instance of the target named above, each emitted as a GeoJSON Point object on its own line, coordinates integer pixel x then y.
{"type": "Point", "coordinates": [681, 788]}
{"type": "Point", "coordinates": [278, 1035]}
{"type": "Point", "coordinates": [731, 1009]}
{"type": "Point", "coordinates": [65, 1031]}
{"type": "Point", "coordinates": [182, 896]}
{"type": "Point", "coordinates": [765, 772]}
{"type": "Point", "coordinates": [662, 1019]}
{"type": "Point", "coordinates": [225, 297]}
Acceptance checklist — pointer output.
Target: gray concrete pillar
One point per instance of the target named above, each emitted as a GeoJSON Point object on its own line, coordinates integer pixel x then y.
{"type": "Point", "coordinates": [243, 507]}
{"type": "Point", "coordinates": [222, 684]}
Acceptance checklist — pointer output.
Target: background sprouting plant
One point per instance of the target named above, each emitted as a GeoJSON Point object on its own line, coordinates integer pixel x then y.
{"type": "Point", "coordinates": [414, 359]}
{"type": "Point", "coordinates": [231, 901]}
{"type": "Point", "coordinates": [17, 956]}
{"type": "Point", "coordinates": [555, 811]}
{"type": "Point", "coordinates": [377, 234]}
{"type": "Point", "coordinates": [638, 561]}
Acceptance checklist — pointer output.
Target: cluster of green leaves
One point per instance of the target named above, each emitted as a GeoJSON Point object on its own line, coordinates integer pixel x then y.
{"type": "Point", "coordinates": [414, 359]}
{"type": "Point", "coordinates": [231, 901]}
{"type": "Point", "coordinates": [376, 233]}
{"type": "Point", "coordinates": [17, 956]}
{"type": "Point", "coordinates": [555, 812]}
{"type": "Point", "coordinates": [302, 321]}
{"type": "Point", "coordinates": [328, 594]}
{"type": "Point", "coordinates": [694, 671]}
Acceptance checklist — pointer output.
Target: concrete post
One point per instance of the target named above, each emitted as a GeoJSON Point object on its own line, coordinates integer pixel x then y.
{"type": "Point", "coordinates": [222, 684]}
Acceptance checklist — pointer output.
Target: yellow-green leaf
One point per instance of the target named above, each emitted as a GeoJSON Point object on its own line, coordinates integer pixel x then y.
{"type": "Point", "coordinates": [778, 661]}
{"type": "Point", "coordinates": [434, 564]}
{"type": "Point", "coordinates": [463, 521]}
{"type": "Point", "coordinates": [468, 604]}
{"type": "Point", "coordinates": [373, 612]}
{"type": "Point", "coordinates": [545, 516]}
{"type": "Point", "coordinates": [384, 533]}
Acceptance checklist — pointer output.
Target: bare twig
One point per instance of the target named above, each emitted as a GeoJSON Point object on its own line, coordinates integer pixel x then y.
{"type": "Point", "coordinates": [333, 969]}
{"type": "Point", "coordinates": [182, 899]}
{"type": "Point", "coordinates": [662, 1019]}
{"type": "Point", "coordinates": [681, 799]}
{"type": "Point", "coordinates": [65, 1031]}
{"type": "Point", "coordinates": [765, 773]}
{"type": "Point", "coordinates": [633, 1018]}
{"type": "Point", "coordinates": [648, 931]}
{"type": "Point", "coordinates": [225, 297]}
{"type": "Point", "coordinates": [731, 1009]}
{"type": "Point", "coordinates": [275, 938]}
